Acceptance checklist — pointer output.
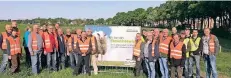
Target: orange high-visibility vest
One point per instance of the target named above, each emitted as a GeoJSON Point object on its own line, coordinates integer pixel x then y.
{"type": "Point", "coordinates": [68, 42]}
{"type": "Point", "coordinates": [212, 44]}
{"type": "Point", "coordinates": [15, 47]}
{"type": "Point", "coordinates": [136, 49]}
{"type": "Point", "coordinates": [34, 41]}
{"type": "Point", "coordinates": [5, 36]}
{"type": "Point", "coordinates": [93, 42]}
{"type": "Point", "coordinates": [153, 47]}
{"type": "Point", "coordinates": [75, 37]}
{"type": "Point", "coordinates": [47, 42]}
{"type": "Point", "coordinates": [56, 41]}
{"type": "Point", "coordinates": [164, 45]}
{"type": "Point", "coordinates": [176, 52]}
{"type": "Point", "coordinates": [84, 46]}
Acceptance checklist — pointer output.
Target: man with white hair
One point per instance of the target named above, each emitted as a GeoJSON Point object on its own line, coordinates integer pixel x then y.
{"type": "Point", "coordinates": [94, 57]}
{"type": "Point", "coordinates": [210, 50]}
{"type": "Point", "coordinates": [3, 43]}
{"type": "Point", "coordinates": [35, 45]}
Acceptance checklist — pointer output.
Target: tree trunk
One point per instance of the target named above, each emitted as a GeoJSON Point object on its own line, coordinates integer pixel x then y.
{"type": "Point", "coordinates": [215, 22]}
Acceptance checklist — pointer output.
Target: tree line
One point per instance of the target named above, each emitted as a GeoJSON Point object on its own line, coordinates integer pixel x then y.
{"type": "Point", "coordinates": [168, 14]}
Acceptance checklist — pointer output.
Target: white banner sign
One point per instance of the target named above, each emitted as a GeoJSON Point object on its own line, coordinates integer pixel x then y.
{"type": "Point", "coordinates": [119, 41]}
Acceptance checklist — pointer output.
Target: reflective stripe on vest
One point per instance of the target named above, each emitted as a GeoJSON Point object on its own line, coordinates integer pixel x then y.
{"type": "Point", "coordinates": [136, 50]}
{"type": "Point", "coordinates": [176, 52]}
{"type": "Point", "coordinates": [186, 41]}
{"type": "Point", "coordinates": [153, 47]}
{"type": "Point", "coordinates": [75, 37]}
{"type": "Point", "coordinates": [47, 42]}
{"type": "Point", "coordinates": [34, 41]}
{"type": "Point", "coordinates": [164, 45]}
{"type": "Point", "coordinates": [84, 46]}
{"type": "Point", "coordinates": [15, 47]}
{"type": "Point", "coordinates": [69, 42]}
{"type": "Point", "coordinates": [195, 45]}
{"type": "Point", "coordinates": [5, 36]}
{"type": "Point", "coordinates": [212, 44]}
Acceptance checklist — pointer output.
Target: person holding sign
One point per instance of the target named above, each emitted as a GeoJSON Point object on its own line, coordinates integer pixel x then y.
{"type": "Point", "coordinates": [83, 49]}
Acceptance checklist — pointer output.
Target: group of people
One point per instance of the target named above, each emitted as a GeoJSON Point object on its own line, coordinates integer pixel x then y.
{"type": "Point", "coordinates": [48, 47]}
{"type": "Point", "coordinates": [175, 55]}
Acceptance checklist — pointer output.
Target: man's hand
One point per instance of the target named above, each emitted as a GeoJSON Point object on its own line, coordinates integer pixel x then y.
{"type": "Point", "coordinates": [45, 53]}
{"type": "Point", "coordinates": [31, 53]}
{"type": "Point", "coordinates": [138, 59]}
{"type": "Point", "coordinates": [68, 53]}
{"type": "Point", "coordinates": [83, 54]}
{"type": "Point", "coordinates": [9, 57]}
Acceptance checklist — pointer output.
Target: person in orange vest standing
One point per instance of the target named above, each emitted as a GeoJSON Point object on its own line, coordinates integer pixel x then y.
{"type": "Point", "coordinates": [3, 38]}
{"type": "Point", "coordinates": [51, 48]}
{"type": "Point", "coordinates": [15, 26]}
{"type": "Point", "coordinates": [177, 56]}
{"type": "Point", "coordinates": [94, 56]}
{"type": "Point", "coordinates": [70, 46]}
{"type": "Point", "coordinates": [211, 47]}
{"type": "Point", "coordinates": [84, 49]}
{"type": "Point", "coordinates": [164, 52]}
{"type": "Point", "coordinates": [14, 50]}
{"type": "Point", "coordinates": [35, 46]}
{"type": "Point", "coordinates": [137, 54]}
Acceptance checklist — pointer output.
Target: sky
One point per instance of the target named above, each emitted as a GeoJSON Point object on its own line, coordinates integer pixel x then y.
{"type": "Point", "coordinates": [69, 9]}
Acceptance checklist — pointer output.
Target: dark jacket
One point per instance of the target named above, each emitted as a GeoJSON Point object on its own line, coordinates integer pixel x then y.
{"type": "Point", "coordinates": [77, 50]}
{"type": "Point", "coordinates": [61, 44]}
{"type": "Point", "coordinates": [156, 51]}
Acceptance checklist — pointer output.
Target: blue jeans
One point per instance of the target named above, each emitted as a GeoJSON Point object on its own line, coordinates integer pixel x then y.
{"type": "Point", "coordinates": [186, 68]}
{"type": "Point", "coordinates": [210, 65]}
{"type": "Point", "coordinates": [35, 63]}
{"type": "Point", "coordinates": [4, 63]}
{"type": "Point", "coordinates": [52, 59]}
{"type": "Point", "coordinates": [163, 67]}
{"type": "Point", "coordinates": [73, 59]}
{"type": "Point", "coordinates": [194, 60]}
{"type": "Point", "coordinates": [151, 68]}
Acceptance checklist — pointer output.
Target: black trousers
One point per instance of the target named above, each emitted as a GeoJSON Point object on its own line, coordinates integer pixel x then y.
{"type": "Point", "coordinates": [138, 67]}
{"type": "Point", "coordinates": [145, 70]}
{"type": "Point", "coordinates": [28, 58]}
{"type": "Point", "coordinates": [86, 61]}
{"type": "Point", "coordinates": [61, 60]}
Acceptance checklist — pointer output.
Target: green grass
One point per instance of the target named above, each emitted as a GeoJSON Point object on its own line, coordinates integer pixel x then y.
{"type": "Point", "coordinates": [223, 64]}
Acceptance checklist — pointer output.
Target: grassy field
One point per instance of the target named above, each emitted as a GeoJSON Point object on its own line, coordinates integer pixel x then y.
{"type": "Point", "coordinates": [223, 65]}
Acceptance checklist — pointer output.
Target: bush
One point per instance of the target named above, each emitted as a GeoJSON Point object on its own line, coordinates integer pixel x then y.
{"type": "Point", "coordinates": [221, 32]}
